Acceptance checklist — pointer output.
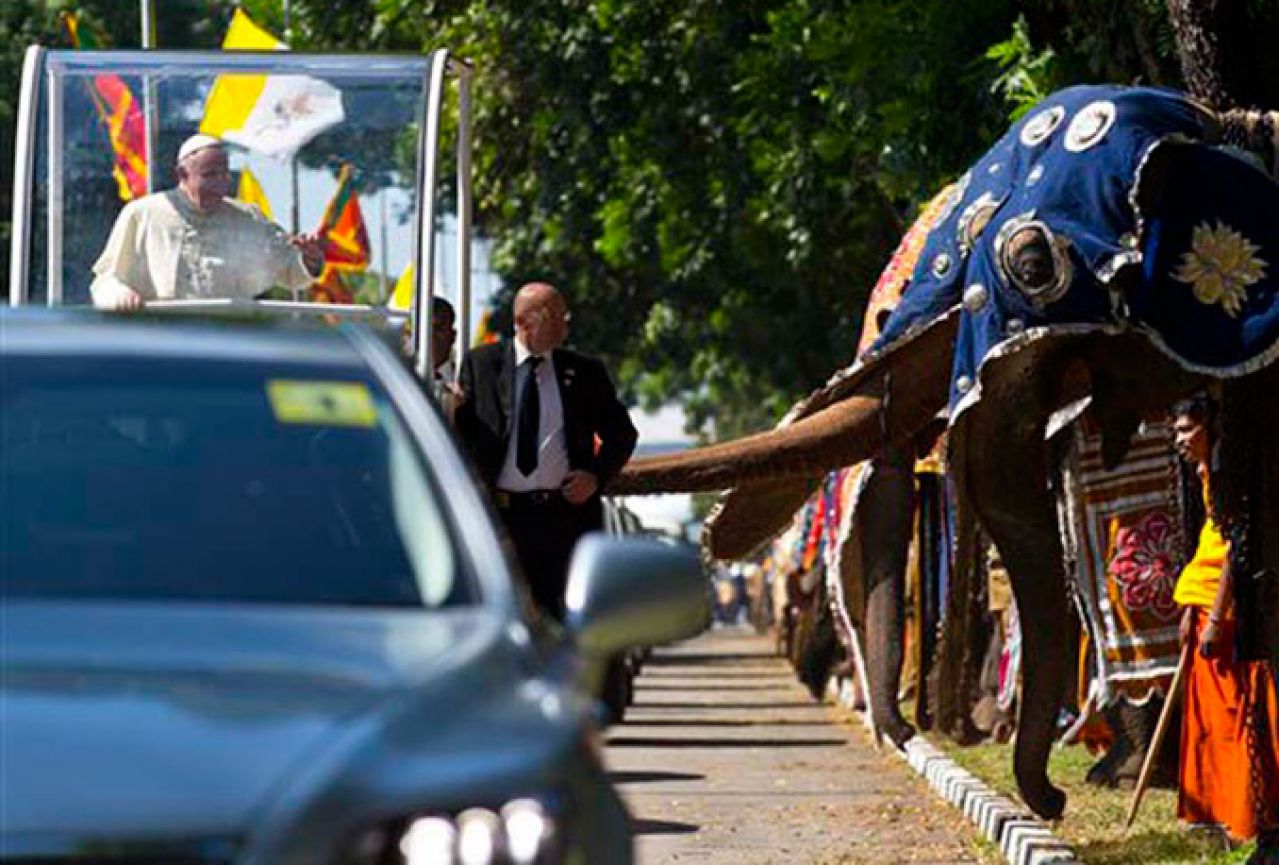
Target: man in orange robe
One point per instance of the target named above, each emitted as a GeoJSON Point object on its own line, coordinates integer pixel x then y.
{"type": "Point", "coordinates": [1230, 723]}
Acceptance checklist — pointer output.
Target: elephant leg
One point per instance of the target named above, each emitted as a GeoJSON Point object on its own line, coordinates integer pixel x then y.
{"type": "Point", "coordinates": [820, 652]}
{"type": "Point", "coordinates": [1133, 727]}
{"type": "Point", "coordinates": [958, 666]}
{"type": "Point", "coordinates": [927, 612]}
{"type": "Point", "coordinates": [1248, 476]}
{"type": "Point", "coordinates": [886, 511]}
{"type": "Point", "coordinates": [1102, 773]}
{"type": "Point", "coordinates": [1002, 473]}
{"type": "Point", "coordinates": [1265, 532]}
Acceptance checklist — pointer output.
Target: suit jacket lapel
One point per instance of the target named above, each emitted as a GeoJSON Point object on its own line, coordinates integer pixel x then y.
{"type": "Point", "coordinates": [566, 378]}
{"type": "Point", "coordinates": [565, 374]}
{"type": "Point", "coordinates": [505, 384]}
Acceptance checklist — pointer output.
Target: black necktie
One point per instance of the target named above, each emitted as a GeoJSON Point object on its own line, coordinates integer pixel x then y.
{"type": "Point", "coordinates": [526, 442]}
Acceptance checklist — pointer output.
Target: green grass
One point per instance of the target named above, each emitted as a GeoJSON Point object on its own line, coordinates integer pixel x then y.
{"type": "Point", "coordinates": [1094, 818]}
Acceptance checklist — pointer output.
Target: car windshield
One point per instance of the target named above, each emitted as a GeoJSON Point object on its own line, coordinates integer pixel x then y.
{"type": "Point", "coordinates": [196, 480]}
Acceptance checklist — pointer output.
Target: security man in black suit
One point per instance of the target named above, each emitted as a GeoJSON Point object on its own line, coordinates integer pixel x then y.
{"type": "Point", "coordinates": [546, 430]}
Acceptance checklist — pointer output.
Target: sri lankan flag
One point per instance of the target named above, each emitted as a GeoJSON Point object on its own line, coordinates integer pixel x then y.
{"type": "Point", "coordinates": [122, 117]}
{"type": "Point", "coordinates": [331, 288]}
{"type": "Point", "coordinates": [486, 333]}
{"type": "Point", "coordinates": [344, 239]}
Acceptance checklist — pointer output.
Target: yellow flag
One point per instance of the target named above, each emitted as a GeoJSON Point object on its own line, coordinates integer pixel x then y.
{"type": "Point", "coordinates": [402, 296]}
{"type": "Point", "coordinates": [251, 192]}
{"type": "Point", "coordinates": [270, 114]}
{"type": "Point", "coordinates": [233, 96]}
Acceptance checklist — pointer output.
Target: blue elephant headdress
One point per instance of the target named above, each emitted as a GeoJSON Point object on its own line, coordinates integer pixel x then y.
{"type": "Point", "coordinates": [1075, 173]}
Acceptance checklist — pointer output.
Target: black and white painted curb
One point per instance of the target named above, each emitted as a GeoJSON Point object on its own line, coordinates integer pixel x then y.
{"type": "Point", "coordinates": [1023, 838]}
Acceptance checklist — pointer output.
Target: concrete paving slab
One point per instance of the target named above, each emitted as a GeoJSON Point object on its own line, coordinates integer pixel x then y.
{"type": "Point", "coordinates": [725, 759]}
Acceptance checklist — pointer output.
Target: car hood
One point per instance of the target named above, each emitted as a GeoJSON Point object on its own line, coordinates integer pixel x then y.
{"type": "Point", "coordinates": [118, 720]}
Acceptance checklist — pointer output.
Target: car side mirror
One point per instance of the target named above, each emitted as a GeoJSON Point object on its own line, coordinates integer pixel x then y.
{"type": "Point", "coordinates": [629, 592]}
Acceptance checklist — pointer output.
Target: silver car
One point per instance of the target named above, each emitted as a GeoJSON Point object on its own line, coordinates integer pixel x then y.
{"type": "Point", "coordinates": [256, 611]}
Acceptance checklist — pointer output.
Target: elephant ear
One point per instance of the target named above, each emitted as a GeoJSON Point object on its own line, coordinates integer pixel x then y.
{"type": "Point", "coordinates": [1210, 292]}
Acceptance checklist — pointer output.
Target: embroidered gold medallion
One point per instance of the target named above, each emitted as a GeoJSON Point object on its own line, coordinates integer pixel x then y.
{"type": "Point", "coordinates": [1220, 266]}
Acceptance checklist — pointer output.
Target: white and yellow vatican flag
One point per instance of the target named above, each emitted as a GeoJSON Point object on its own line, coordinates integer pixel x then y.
{"type": "Point", "coordinates": [275, 115]}
{"type": "Point", "coordinates": [402, 295]}
{"type": "Point", "coordinates": [251, 192]}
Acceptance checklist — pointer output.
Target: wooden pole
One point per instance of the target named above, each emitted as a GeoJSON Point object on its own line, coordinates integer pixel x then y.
{"type": "Point", "coordinates": [1148, 765]}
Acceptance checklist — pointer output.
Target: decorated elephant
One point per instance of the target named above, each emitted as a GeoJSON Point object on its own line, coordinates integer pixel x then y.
{"type": "Point", "coordinates": [862, 520]}
{"type": "Point", "coordinates": [1115, 250]}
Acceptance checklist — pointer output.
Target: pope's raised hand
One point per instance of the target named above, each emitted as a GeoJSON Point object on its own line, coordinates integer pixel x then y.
{"type": "Point", "coordinates": [312, 251]}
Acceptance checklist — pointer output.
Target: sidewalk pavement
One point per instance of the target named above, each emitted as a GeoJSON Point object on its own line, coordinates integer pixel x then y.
{"type": "Point", "coordinates": [724, 758]}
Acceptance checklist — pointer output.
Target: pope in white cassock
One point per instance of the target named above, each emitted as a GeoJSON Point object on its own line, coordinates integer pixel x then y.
{"type": "Point", "coordinates": [195, 241]}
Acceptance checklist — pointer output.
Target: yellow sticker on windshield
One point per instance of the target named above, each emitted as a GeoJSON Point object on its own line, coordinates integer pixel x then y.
{"type": "Point", "coordinates": [322, 403]}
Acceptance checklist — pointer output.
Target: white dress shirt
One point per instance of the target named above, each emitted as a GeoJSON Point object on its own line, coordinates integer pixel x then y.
{"type": "Point", "coordinates": [552, 450]}
{"type": "Point", "coordinates": [445, 389]}
{"type": "Point", "coordinates": [446, 372]}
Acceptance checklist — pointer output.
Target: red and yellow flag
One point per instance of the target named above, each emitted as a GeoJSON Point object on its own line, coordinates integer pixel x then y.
{"type": "Point", "coordinates": [345, 241]}
{"type": "Point", "coordinates": [121, 115]}
{"type": "Point", "coordinates": [331, 288]}
{"type": "Point", "coordinates": [485, 333]}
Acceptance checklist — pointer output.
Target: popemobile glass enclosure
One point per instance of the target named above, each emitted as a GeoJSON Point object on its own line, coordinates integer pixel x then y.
{"type": "Point", "coordinates": [305, 133]}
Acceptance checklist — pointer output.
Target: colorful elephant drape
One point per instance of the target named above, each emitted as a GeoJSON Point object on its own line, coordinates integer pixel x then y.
{"type": "Point", "coordinates": [1126, 540]}
{"type": "Point", "coordinates": [1071, 173]}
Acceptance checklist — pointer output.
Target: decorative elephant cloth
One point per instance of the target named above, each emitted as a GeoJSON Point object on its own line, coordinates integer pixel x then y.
{"type": "Point", "coordinates": [1037, 231]}
{"type": "Point", "coordinates": [896, 275]}
{"type": "Point", "coordinates": [1124, 533]}
{"type": "Point", "coordinates": [847, 600]}
{"type": "Point", "coordinates": [843, 547]}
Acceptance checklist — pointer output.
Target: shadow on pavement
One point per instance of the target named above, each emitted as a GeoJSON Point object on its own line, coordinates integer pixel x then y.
{"type": "Point", "coordinates": [650, 685]}
{"type": "Point", "coordinates": [662, 827]}
{"type": "Point", "coordinates": [645, 705]}
{"type": "Point", "coordinates": [711, 722]}
{"type": "Point", "coordinates": [685, 659]}
{"type": "Point", "coordinates": [682, 675]}
{"type": "Point", "coordinates": [660, 742]}
{"type": "Point", "coordinates": [642, 776]}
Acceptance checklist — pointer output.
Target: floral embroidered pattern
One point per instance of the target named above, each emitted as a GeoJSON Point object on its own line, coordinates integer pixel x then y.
{"type": "Point", "coordinates": [1145, 564]}
{"type": "Point", "coordinates": [1220, 266]}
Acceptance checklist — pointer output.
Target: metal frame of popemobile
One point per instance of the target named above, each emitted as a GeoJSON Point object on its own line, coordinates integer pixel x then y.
{"type": "Point", "coordinates": [47, 73]}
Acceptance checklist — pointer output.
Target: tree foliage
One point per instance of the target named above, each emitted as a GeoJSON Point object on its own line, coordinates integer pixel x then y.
{"type": "Point", "coordinates": [714, 183]}
{"type": "Point", "coordinates": [717, 185]}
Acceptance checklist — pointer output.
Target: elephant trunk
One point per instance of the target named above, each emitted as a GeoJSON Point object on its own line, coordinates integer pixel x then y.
{"type": "Point", "coordinates": [836, 436]}
{"type": "Point", "coordinates": [884, 399]}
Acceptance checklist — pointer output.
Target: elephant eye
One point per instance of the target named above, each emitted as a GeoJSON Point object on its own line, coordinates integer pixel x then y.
{"type": "Point", "coordinates": [1030, 260]}
{"type": "Point", "coordinates": [1033, 259]}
